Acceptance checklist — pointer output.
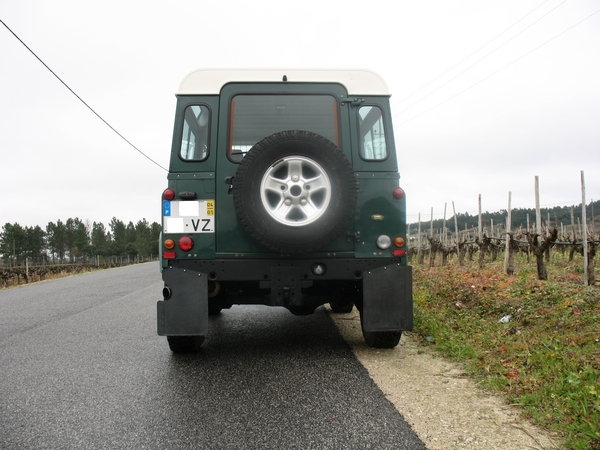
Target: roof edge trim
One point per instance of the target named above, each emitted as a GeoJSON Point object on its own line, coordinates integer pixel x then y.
{"type": "Point", "coordinates": [211, 81]}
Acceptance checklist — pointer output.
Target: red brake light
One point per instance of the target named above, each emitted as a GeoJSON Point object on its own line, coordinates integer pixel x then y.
{"type": "Point", "coordinates": [169, 255]}
{"type": "Point", "coordinates": [186, 243]}
{"type": "Point", "coordinates": [169, 194]}
{"type": "Point", "coordinates": [398, 193]}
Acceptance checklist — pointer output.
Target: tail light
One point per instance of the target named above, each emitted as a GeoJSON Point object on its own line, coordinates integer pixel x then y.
{"type": "Point", "coordinates": [398, 193]}
{"type": "Point", "coordinates": [185, 243]}
{"type": "Point", "coordinates": [169, 194]}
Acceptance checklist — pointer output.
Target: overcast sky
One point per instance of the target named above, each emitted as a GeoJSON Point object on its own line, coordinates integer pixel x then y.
{"type": "Point", "coordinates": [486, 94]}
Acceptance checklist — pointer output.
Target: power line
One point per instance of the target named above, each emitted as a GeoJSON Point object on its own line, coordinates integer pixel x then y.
{"type": "Point", "coordinates": [464, 59]}
{"type": "Point", "coordinates": [499, 70]}
{"type": "Point", "coordinates": [80, 99]}
{"type": "Point", "coordinates": [483, 57]}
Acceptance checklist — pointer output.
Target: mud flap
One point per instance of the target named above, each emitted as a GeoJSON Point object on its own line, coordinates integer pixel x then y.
{"type": "Point", "coordinates": [185, 312]}
{"type": "Point", "coordinates": [387, 299]}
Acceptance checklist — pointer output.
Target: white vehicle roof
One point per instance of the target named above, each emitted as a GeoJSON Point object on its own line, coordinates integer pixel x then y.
{"type": "Point", "coordinates": [210, 81]}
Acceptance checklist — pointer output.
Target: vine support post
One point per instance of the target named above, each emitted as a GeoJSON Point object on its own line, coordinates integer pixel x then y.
{"type": "Point", "coordinates": [419, 244]}
{"type": "Point", "coordinates": [574, 236]}
{"type": "Point", "coordinates": [538, 215]}
{"type": "Point", "coordinates": [584, 233]}
{"type": "Point", "coordinates": [444, 226]}
{"type": "Point", "coordinates": [431, 223]}
{"type": "Point", "coordinates": [480, 224]}
{"type": "Point", "coordinates": [456, 230]}
{"type": "Point", "coordinates": [507, 267]}
{"type": "Point", "coordinates": [593, 220]}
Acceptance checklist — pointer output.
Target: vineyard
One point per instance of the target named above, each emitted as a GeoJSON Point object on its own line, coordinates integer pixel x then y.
{"type": "Point", "coordinates": [468, 246]}
{"type": "Point", "coordinates": [538, 240]}
{"type": "Point", "coordinates": [28, 271]}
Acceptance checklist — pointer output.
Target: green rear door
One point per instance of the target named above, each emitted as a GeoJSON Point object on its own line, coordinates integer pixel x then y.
{"type": "Point", "coordinates": [250, 112]}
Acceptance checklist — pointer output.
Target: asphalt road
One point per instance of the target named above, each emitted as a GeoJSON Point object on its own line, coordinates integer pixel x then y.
{"type": "Point", "coordinates": [81, 366]}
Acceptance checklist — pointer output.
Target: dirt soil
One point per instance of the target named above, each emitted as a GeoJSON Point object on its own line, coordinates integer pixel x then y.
{"type": "Point", "coordinates": [444, 406]}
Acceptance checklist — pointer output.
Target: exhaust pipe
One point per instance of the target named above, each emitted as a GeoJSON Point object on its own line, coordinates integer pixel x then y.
{"type": "Point", "coordinates": [213, 289]}
{"type": "Point", "coordinates": [167, 293]}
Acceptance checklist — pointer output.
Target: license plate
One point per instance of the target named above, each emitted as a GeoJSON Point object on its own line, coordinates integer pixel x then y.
{"type": "Point", "coordinates": [197, 216]}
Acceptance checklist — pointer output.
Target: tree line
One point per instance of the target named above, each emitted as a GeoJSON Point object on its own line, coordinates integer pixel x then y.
{"type": "Point", "coordinates": [75, 239]}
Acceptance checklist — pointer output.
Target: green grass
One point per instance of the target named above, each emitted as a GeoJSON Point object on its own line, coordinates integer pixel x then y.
{"type": "Point", "coordinates": [545, 359]}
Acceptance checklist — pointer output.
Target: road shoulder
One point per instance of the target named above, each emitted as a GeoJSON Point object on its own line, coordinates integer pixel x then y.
{"type": "Point", "coordinates": [444, 406]}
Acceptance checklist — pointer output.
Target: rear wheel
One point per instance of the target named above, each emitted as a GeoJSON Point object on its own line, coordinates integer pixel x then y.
{"type": "Point", "coordinates": [340, 307]}
{"type": "Point", "coordinates": [380, 339]}
{"type": "Point", "coordinates": [185, 344]}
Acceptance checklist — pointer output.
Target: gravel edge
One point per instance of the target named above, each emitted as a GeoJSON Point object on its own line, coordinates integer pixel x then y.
{"type": "Point", "coordinates": [442, 404]}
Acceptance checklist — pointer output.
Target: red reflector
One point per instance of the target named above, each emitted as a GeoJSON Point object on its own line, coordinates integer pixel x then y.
{"type": "Point", "coordinates": [186, 243]}
{"type": "Point", "coordinates": [399, 253]}
{"type": "Point", "coordinates": [169, 194]}
{"type": "Point", "coordinates": [398, 193]}
{"type": "Point", "coordinates": [169, 255]}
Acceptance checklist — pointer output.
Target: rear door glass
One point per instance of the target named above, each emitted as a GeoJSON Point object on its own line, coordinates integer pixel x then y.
{"type": "Point", "coordinates": [372, 134]}
{"type": "Point", "coordinates": [194, 141]}
{"type": "Point", "coordinates": [254, 117]}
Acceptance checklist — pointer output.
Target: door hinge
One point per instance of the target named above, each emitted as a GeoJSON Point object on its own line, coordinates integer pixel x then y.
{"type": "Point", "coordinates": [353, 236]}
{"type": "Point", "coordinates": [353, 102]}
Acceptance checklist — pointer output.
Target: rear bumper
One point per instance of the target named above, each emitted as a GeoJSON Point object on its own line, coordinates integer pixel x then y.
{"type": "Point", "coordinates": [260, 269]}
{"type": "Point", "coordinates": [384, 287]}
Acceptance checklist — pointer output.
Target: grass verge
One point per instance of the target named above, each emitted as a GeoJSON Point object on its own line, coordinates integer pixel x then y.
{"type": "Point", "coordinates": [543, 356]}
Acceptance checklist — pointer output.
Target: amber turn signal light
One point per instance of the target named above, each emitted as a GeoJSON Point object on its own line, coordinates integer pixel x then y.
{"type": "Point", "coordinates": [398, 241]}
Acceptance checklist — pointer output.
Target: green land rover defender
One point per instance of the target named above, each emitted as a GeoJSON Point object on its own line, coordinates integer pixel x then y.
{"type": "Point", "coordinates": [283, 190]}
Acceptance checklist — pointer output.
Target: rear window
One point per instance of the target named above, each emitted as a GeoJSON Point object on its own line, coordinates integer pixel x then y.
{"type": "Point", "coordinates": [194, 140]}
{"type": "Point", "coordinates": [373, 145]}
{"type": "Point", "coordinates": [254, 117]}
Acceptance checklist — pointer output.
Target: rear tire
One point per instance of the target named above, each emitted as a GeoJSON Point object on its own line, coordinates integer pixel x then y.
{"type": "Point", "coordinates": [339, 307]}
{"type": "Point", "coordinates": [380, 339]}
{"type": "Point", "coordinates": [185, 344]}
{"type": "Point", "coordinates": [295, 192]}
{"type": "Point", "coordinates": [214, 309]}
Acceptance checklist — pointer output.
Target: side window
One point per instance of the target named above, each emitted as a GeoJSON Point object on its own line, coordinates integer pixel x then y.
{"type": "Point", "coordinates": [255, 116]}
{"type": "Point", "coordinates": [372, 134]}
{"type": "Point", "coordinates": [194, 141]}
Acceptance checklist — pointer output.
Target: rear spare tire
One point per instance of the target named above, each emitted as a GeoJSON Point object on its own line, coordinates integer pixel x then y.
{"type": "Point", "coordinates": [295, 192]}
